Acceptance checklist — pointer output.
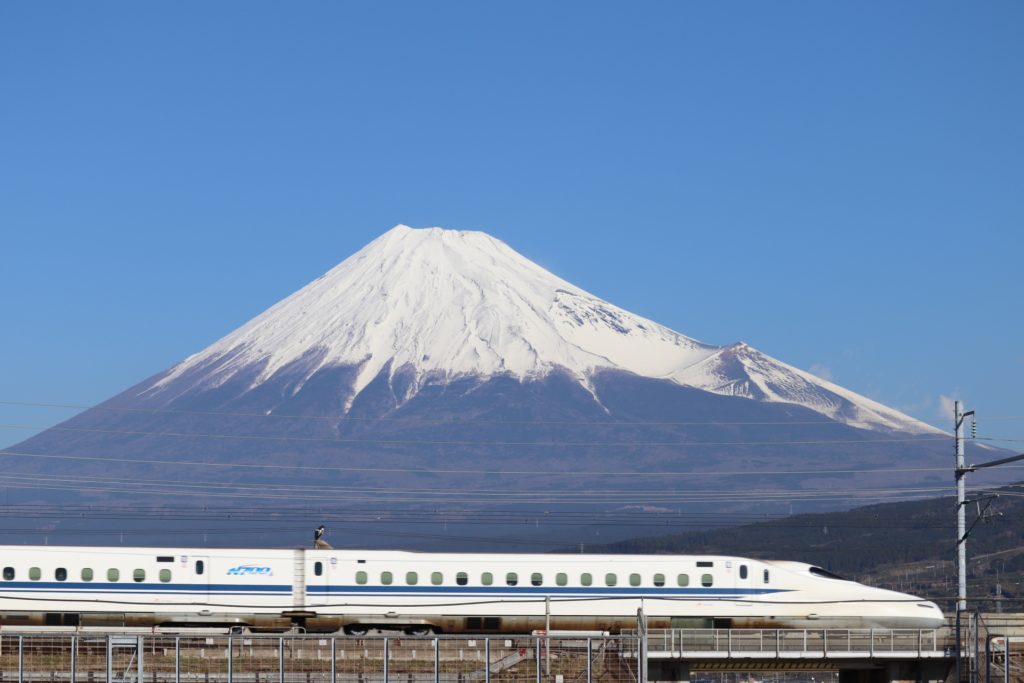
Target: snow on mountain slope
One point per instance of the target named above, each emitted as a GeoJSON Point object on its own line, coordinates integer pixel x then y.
{"type": "Point", "coordinates": [741, 370]}
{"type": "Point", "coordinates": [445, 304]}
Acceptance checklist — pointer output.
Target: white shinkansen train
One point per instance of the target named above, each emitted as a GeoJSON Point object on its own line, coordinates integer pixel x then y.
{"type": "Point", "coordinates": [421, 593]}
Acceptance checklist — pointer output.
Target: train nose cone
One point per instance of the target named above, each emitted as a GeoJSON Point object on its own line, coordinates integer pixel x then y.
{"type": "Point", "coordinates": [930, 614]}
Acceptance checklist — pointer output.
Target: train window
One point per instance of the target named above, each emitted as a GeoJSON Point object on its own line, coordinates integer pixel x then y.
{"type": "Point", "coordinates": [139, 575]}
{"type": "Point", "coordinates": [437, 578]}
{"type": "Point", "coordinates": [683, 580]}
{"type": "Point", "coordinates": [86, 574]}
{"type": "Point", "coordinates": [200, 566]}
{"type": "Point", "coordinates": [634, 579]}
{"type": "Point", "coordinates": [743, 571]}
{"type": "Point", "coordinates": [8, 573]}
{"type": "Point", "coordinates": [586, 579]}
{"type": "Point", "coordinates": [818, 571]}
{"type": "Point", "coordinates": [707, 580]}
{"type": "Point", "coordinates": [561, 579]}
{"type": "Point", "coordinates": [361, 578]}
{"type": "Point", "coordinates": [511, 579]}
{"type": "Point", "coordinates": [113, 575]}
{"type": "Point", "coordinates": [61, 574]}
{"type": "Point", "coordinates": [487, 578]}
{"type": "Point", "coordinates": [536, 579]}
{"type": "Point", "coordinates": [165, 576]}
{"type": "Point", "coordinates": [386, 578]}
{"type": "Point", "coordinates": [34, 574]}
{"type": "Point", "coordinates": [610, 579]}
{"type": "Point", "coordinates": [318, 568]}
{"type": "Point", "coordinates": [659, 580]}
{"type": "Point", "coordinates": [462, 578]}
{"type": "Point", "coordinates": [412, 578]}
{"type": "Point", "coordinates": [766, 576]}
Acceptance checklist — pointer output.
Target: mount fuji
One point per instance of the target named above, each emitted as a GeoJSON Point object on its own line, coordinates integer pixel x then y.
{"type": "Point", "coordinates": [441, 373]}
{"type": "Point", "coordinates": [431, 306]}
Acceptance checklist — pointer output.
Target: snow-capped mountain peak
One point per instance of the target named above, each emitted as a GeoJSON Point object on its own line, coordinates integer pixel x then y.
{"type": "Point", "coordinates": [441, 304]}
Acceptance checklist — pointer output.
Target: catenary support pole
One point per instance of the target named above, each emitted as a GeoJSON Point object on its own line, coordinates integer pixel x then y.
{"type": "Point", "coordinates": [961, 511]}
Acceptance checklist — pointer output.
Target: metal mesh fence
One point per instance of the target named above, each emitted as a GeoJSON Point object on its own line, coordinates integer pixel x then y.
{"type": "Point", "coordinates": [309, 659]}
{"type": "Point", "coordinates": [160, 658]}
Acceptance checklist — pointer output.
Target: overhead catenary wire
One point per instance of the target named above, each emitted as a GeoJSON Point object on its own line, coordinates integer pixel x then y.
{"type": "Point", "coordinates": [466, 471]}
{"type": "Point", "coordinates": [412, 419]}
{"type": "Point", "coordinates": [549, 498]}
{"type": "Point", "coordinates": [469, 442]}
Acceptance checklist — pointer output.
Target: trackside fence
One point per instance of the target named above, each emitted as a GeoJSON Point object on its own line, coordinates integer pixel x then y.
{"type": "Point", "coordinates": [158, 658]}
{"type": "Point", "coordinates": [799, 643]}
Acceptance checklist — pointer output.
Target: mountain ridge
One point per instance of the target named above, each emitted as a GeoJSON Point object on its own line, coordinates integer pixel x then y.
{"type": "Point", "coordinates": [440, 304]}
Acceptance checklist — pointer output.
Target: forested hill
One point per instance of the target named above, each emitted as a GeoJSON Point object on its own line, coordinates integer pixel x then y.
{"type": "Point", "coordinates": [908, 546]}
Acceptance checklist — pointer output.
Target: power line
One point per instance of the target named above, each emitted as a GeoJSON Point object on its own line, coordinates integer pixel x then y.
{"type": "Point", "coordinates": [424, 470]}
{"type": "Point", "coordinates": [457, 442]}
{"type": "Point", "coordinates": [521, 498]}
{"type": "Point", "coordinates": [351, 418]}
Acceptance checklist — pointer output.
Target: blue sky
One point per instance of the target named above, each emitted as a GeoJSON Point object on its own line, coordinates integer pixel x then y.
{"type": "Point", "coordinates": [839, 184]}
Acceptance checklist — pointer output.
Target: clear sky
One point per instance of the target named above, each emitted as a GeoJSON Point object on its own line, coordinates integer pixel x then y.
{"type": "Point", "coordinates": [839, 184]}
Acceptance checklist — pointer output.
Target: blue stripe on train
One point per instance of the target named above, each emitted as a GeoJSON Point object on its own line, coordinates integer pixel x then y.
{"type": "Point", "coordinates": [141, 587]}
{"type": "Point", "coordinates": [506, 591]}
{"type": "Point", "coordinates": [538, 590]}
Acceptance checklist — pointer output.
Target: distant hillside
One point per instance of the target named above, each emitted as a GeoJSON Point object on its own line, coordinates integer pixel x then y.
{"type": "Point", "coordinates": [906, 546]}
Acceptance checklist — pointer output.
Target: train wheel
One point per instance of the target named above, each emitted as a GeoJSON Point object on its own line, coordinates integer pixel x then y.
{"type": "Point", "coordinates": [356, 630]}
{"type": "Point", "coordinates": [419, 630]}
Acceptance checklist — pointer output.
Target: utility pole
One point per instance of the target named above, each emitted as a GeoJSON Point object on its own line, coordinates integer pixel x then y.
{"type": "Point", "coordinates": [962, 532]}
{"type": "Point", "coordinates": [961, 508]}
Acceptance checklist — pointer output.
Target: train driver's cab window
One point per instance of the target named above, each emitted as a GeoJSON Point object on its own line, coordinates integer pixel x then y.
{"type": "Point", "coordinates": [818, 571]}
{"type": "Point", "coordinates": [511, 579]}
{"type": "Point", "coordinates": [318, 568]}
{"type": "Point", "coordinates": [412, 578]}
{"type": "Point", "coordinates": [386, 578]}
{"type": "Point", "coordinates": [766, 576]}
{"type": "Point", "coordinates": [61, 574]}
{"type": "Point", "coordinates": [8, 573]}
{"type": "Point", "coordinates": [561, 579]}
{"type": "Point", "coordinates": [683, 580]}
{"type": "Point", "coordinates": [200, 566]}
{"type": "Point", "coordinates": [610, 579]}
{"type": "Point", "coordinates": [34, 574]}
{"type": "Point", "coordinates": [634, 579]}
{"type": "Point", "coordinates": [743, 571]}
{"type": "Point", "coordinates": [536, 579]}
{"type": "Point", "coordinates": [486, 579]}
{"type": "Point", "coordinates": [659, 580]}
{"type": "Point", "coordinates": [361, 578]}
{"type": "Point", "coordinates": [113, 575]}
{"type": "Point", "coordinates": [707, 580]}
{"type": "Point", "coordinates": [139, 575]}
{"type": "Point", "coordinates": [461, 579]}
{"type": "Point", "coordinates": [586, 579]}
{"type": "Point", "coordinates": [86, 574]}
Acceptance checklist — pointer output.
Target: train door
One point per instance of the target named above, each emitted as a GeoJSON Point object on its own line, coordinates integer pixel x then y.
{"type": "Point", "coordinates": [318, 580]}
{"type": "Point", "coordinates": [197, 568]}
{"type": "Point", "coordinates": [741, 577]}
